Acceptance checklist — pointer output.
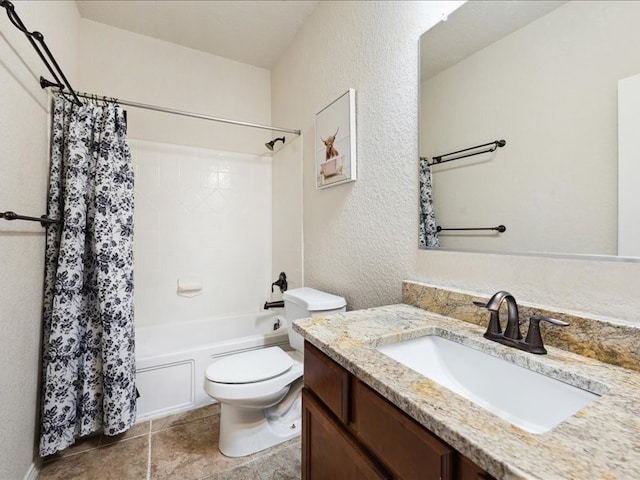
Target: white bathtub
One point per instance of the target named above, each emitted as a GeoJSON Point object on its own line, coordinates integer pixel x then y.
{"type": "Point", "coordinates": [171, 359]}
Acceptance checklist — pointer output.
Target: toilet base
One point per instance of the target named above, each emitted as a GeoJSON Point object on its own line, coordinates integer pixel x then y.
{"type": "Point", "coordinates": [244, 431]}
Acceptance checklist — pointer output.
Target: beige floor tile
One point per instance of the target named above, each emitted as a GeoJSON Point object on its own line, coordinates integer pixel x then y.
{"type": "Point", "coordinates": [125, 460]}
{"type": "Point", "coordinates": [81, 445]}
{"type": "Point", "coordinates": [244, 472]}
{"type": "Point", "coordinates": [184, 447]}
{"type": "Point", "coordinates": [190, 451]}
{"type": "Point", "coordinates": [186, 417]}
{"type": "Point", "coordinates": [136, 430]}
{"type": "Point", "coordinates": [294, 442]}
{"type": "Point", "coordinates": [282, 464]}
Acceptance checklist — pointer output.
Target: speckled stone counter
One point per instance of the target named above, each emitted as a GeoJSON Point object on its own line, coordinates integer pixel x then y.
{"type": "Point", "coordinates": [608, 340]}
{"type": "Point", "coordinates": [602, 441]}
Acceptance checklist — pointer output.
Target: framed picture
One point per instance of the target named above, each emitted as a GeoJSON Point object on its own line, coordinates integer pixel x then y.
{"type": "Point", "coordinates": [336, 141]}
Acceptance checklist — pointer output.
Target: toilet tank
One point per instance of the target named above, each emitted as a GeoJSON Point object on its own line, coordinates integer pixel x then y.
{"type": "Point", "coordinates": [307, 302]}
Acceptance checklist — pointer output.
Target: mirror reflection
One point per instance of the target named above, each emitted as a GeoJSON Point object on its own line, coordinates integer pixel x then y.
{"type": "Point", "coordinates": [560, 83]}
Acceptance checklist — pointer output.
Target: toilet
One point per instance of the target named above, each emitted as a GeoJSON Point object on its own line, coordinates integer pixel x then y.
{"type": "Point", "coordinates": [260, 390]}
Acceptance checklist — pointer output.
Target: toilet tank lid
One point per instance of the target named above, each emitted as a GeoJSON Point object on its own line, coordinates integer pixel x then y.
{"type": "Point", "coordinates": [313, 300]}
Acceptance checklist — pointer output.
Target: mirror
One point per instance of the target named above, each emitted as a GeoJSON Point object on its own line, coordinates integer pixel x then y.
{"type": "Point", "coordinates": [543, 76]}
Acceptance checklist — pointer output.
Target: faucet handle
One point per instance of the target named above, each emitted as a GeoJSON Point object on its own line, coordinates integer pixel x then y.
{"type": "Point", "coordinates": [534, 338]}
{"type": "Point", "coordinates": [280, 283]}
{"type": "Point", "coordinates": [553, 321]}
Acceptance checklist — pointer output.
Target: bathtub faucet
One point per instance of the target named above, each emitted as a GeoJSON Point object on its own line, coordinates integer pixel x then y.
{"type": "Point", "coordinates": [277, 304]}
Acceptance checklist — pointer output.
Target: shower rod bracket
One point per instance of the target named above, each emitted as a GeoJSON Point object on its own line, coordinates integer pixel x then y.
{"type": "Point", "coordinates": [44, 83]}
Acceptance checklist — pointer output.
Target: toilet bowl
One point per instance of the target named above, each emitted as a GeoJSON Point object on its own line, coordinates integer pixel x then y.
{"type": "Point", "coordinates": [259, 390]}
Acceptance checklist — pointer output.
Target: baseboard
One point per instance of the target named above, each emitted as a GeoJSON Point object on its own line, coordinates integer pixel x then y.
{"type": "Point", "coordinates": [34, 470]}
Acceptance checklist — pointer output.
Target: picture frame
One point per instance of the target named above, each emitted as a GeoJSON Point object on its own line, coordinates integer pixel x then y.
{"type": "Point", "coordinates": [335, 142]}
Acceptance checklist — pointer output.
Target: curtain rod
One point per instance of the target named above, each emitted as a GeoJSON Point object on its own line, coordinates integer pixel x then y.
{"type": "Point", "coordinates": [57, 73]}
{"type": "Point", "coordinates": [44, 83]}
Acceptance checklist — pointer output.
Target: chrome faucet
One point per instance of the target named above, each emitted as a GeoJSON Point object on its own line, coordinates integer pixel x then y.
{"type": "Point", "coordinates": [512, 336]}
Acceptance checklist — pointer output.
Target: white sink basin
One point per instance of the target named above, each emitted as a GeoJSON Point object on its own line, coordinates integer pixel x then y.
{"type": "Point", "coordinates": [532, 401]}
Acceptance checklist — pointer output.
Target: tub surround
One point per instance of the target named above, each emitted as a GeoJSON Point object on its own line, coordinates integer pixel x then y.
{"type": "Point", "coordinates": [607, 340]}
{"type": "Point", "coordinates": [600, 441]}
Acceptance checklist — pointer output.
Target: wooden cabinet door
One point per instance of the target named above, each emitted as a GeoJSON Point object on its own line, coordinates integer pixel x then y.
{"type": "Point", "coordinates": [328, 380]}
{"type": "Point", "coordinates": [328, 451]}
{"type": "Point", "coordinates": [467, 470]}
{"type": "Point", "coordinates": [405, 447]}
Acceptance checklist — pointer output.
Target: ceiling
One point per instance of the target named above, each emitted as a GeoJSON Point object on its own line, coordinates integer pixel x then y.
{"type": "Point", "coordinates": [253, 32]}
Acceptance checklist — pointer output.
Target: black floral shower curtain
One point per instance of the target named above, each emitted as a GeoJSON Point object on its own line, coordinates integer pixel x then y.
{"type": "Point", "coordinates": [88, 358]}
{"type": "Point", "coordinates": [428, 228]}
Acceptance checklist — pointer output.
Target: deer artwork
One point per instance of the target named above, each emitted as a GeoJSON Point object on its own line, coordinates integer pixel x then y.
{"type": "Point", "coordinates": [330, 149]}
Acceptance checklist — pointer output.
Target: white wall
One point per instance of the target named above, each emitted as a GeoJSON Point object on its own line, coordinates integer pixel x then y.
{"type": "Point", "coordinates": [549, 89]}
{"type": "Point", "coordinates": [287, 246]}
{"type": "Point", "coordinates": [367, 243]}
{"type": "Point", "coordinates": [24, 117]}
{"type": "Point", "coordinates": [201, 209]}
{"type": "Point", "coordinates": [118, 63]}
{"type": "Point", "coordinates": [628, 166]}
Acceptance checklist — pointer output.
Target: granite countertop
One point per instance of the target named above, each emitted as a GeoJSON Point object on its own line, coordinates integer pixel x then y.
{"type": "Point", "coordinates": [601, 441]}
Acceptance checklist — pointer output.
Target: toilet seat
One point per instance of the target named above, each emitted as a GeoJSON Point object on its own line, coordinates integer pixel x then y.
{"type": "Point", "coordinates": [249, 393]}
{"type": "Point", "coordinates": [249, 367]}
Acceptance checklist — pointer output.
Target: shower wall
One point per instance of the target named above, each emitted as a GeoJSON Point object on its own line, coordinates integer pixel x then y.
{"type": "Point", "coordinates": [202, 216]}
{"type": "Point", "coordinates": [203, 189]}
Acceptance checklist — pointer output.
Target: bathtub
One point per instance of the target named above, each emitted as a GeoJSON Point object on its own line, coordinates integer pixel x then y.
{"type": "Point", "coordinates": [171, 359]}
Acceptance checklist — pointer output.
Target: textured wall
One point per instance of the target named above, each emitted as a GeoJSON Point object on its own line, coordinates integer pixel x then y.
{"type": "Point", "coordinates": [360, 239]}
{"type": "Point", "coordinates": [24, 114]}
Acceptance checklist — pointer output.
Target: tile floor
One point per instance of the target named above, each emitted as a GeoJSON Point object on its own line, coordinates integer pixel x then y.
{"type": "Point", "coordinates": [181, 447]}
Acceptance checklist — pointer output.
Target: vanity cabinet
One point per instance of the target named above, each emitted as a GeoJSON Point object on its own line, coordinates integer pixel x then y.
{"type": "Point", "coordinates": [351, 432]}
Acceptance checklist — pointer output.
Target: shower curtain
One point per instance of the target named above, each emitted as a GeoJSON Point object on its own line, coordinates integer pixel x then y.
{"type": "Point", "coordinates": [428, 229]}
{"type": "Point", "coordinates": [88, 357]}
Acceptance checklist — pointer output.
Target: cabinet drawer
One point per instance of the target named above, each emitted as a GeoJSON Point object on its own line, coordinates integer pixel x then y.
{"type": "Point", "coordinates": [328, 451]}
{"type": "Point", "coordinates": [406, 448]}
{"type": "Point", "coordinates": [328, 380]}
